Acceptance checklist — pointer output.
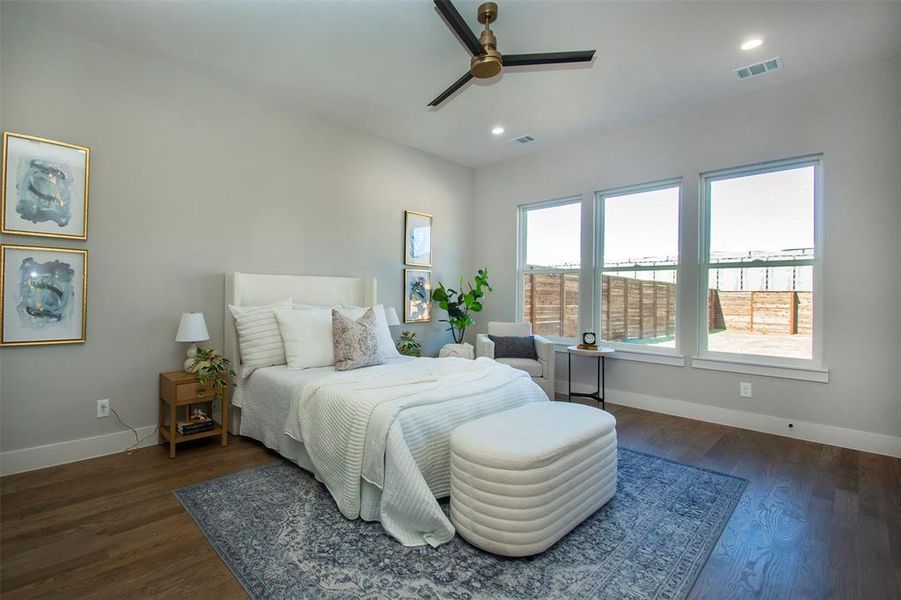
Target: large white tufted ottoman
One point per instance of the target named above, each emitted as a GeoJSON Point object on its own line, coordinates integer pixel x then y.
{"type": "Point", "coordinates": [523, 478]}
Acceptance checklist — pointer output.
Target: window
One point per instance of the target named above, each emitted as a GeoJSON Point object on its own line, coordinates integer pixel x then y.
{"type": "Point", "coordinates": [638, 258]}
{"type": "Point", "coordinates": [758, 262]}
{"type": "Point", "coordinates": [549, 262]}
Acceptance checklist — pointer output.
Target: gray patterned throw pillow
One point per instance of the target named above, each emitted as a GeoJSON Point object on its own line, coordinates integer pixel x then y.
{"type": "Point", "coordinates": [356, 344]}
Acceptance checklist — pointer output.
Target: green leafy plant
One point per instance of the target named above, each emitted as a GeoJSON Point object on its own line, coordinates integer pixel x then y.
{"type": "Point", "coordinates": [408, 345]}
{"type": "Point", "coordinates": [214, 371]}
{"type": "Point", "coordinates": [459, 304]}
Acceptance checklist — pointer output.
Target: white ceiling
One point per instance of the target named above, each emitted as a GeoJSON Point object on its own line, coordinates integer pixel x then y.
{"type": "Point", "coordinates": [374, 65]}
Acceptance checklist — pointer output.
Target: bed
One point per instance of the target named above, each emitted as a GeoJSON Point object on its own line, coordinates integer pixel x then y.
{"type": "Point", "coordinates": [377, 437]}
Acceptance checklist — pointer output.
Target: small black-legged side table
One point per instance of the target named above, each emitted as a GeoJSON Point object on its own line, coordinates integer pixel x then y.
{"type": "Point", "coordinates": [600, 355]}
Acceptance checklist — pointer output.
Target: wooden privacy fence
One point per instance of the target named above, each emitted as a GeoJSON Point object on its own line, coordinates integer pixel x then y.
{"type": "Point", "coordinates": [634, 309]}
{"type": "Point", "coordinates": [631, 308]}
{"type": "Point", "coordinates": [637, 309]}
{"type": "Point", "coordinates": [766, 312]}
{"type": "Point", "coordinates": [551, 304]}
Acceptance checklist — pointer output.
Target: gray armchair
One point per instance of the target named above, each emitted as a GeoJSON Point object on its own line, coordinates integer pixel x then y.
{"type": "Point", "coordinates": [541, 370]}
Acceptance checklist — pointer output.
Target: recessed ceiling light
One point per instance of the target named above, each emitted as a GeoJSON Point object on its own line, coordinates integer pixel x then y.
{"type": "Point", "coordinates": [497, 130]}
{"type": "Point", "coordinates": [751, 43]}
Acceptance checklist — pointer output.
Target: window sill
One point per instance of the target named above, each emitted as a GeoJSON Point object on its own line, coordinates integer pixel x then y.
{"type": "Point", "coordinates": [765, 370]}
{"type": "Point", "coordinates": [654, 358]}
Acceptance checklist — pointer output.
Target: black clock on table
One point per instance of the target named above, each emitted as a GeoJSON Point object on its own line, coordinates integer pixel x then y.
{"type": "Point", "coordinates": [589, 341]}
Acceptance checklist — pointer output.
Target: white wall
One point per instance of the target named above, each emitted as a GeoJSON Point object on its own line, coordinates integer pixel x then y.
{"type": "Point", "coordinates": [190, 180]}
{"type": "Point", "coordinates": [852, 117]}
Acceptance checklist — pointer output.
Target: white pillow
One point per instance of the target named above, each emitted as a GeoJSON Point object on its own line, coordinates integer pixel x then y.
{"type": "Point", "coordinates": [259, 340]}
{"type": "Point", "coordinates": [387, 349]}
{"type": "Point", "coordinates": [308, 337]}
{"type": "Point", "coordinates": [309, 341]}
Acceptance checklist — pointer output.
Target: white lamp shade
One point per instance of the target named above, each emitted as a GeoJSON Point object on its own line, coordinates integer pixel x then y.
{"type": "Point", "coordinates": [192, 328]}
{"type": "Point", "coordinates": [391, 316]}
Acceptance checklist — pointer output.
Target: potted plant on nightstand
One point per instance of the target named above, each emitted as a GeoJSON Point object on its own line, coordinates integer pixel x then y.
{"type": "Point", "coordinates": [214, 372]}
{"type": "Point", "coordinates": [460, 305]}
{"type": "Point", "coordinates": [408, 345]}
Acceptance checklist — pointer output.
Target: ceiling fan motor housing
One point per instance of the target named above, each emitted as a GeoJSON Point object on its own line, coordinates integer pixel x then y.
{"type": "Point", "coordinates": [491, 62]}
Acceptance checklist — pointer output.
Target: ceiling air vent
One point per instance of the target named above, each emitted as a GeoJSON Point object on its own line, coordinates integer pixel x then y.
{"type": "Point", "coordinates": [523, 139]}
{"type": "Point", "coordinates": [759, 68]}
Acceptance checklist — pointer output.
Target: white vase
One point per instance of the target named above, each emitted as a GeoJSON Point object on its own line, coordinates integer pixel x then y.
{"type": "Point", "coordinates": [457, 350]}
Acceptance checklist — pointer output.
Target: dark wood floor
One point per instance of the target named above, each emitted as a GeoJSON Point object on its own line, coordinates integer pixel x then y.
{"type": "Point", "coordinates": [815, 522]}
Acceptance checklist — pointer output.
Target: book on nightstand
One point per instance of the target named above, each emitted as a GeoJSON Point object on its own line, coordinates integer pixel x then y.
{"type": "Point", "coordinates": [194, 426]}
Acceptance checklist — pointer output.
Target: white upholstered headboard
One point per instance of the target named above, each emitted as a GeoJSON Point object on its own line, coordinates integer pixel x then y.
{"type": "Point", "coordinates": [252, 289]}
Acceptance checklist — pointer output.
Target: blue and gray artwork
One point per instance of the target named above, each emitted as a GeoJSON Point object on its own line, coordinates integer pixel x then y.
{"type": "Point", "coordinates": [419, 297]}
{"type": "Point", "coordinates": [418, 290]}
{"type": "Point", "coordinates": [46, 292]}
{"type": "Point", "coordinates": [420, 242]}
{"type": "Point", "coordinates": [44, 189]}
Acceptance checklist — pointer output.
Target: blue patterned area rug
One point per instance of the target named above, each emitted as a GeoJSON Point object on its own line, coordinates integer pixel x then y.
{"type": "Point", "coordinates": [281, 534]}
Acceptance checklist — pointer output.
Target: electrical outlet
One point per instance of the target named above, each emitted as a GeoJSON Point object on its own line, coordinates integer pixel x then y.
{"type": "Point", "coordinates": [744, 389]}
{"type": "Point", "coordinates": [102, 408]}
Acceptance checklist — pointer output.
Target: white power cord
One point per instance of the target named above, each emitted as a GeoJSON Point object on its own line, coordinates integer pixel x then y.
{"type": "Point", "coordinates": [131, 449]}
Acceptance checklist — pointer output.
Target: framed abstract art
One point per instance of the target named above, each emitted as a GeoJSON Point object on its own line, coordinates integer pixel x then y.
{"type": "Point", "coordinates": [417, 295]}
{"type": "Point", "coordinates": [44, 187]}
{"type": "Point", "coordinates": [417, 239]}
{"type": "Point", "coordinates": [43, 295]}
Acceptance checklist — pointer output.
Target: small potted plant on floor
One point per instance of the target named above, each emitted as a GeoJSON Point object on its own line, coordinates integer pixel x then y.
{"type": "Point", "coordinates": [460, 305]}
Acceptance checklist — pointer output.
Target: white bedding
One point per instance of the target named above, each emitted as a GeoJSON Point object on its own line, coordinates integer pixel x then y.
{"type": "Point", "coordinates": [401, 474]}
{"type": "Point", "coordinates": [389, 427]}
{"type": "Point", "coordinates": [265, 398]}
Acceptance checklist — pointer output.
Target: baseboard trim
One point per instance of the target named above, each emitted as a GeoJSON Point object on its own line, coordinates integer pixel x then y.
{"type": "Point", "coordinates": [60, 453]}
{"type": "Point", "coordinates": [39, 457]}
{"type": "Point", "coordinates": [854, 439]}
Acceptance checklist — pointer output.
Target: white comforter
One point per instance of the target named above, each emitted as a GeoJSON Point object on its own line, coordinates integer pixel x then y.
{"type": "Point", "coordinates": [390, 426]}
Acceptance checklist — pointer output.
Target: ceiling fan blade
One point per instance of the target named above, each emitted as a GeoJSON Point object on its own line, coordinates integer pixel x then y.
{"type": "Point", "coordinates": [453, 88]}
{"type": "Point", "coordinates": [548, 58]}
{"type": "Point", "coordinates": [456, 22]}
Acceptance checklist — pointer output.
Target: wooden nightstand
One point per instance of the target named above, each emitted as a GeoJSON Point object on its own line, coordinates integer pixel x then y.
{"type": "Point", "coordinates": [179, 389]}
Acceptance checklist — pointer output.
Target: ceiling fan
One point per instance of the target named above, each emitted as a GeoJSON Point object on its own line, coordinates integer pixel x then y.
{"type": "Point", "coordinates": [486, 60]}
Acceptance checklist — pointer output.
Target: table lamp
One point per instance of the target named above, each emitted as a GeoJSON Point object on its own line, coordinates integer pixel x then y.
{"type": "Point", "coordinates": [391, 317]}
{"type": "Point", "coordinates": [192, 328]}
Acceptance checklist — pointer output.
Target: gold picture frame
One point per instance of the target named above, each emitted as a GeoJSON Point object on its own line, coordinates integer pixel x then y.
{"type": "Point", "coordinates": [417, 295]}
{"type": "Point", "coordinates": [27, 316]}
{"type": "Point", "coordinates": [417, 239]}
{"type": "Point", "coordinates": [70, 159]}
